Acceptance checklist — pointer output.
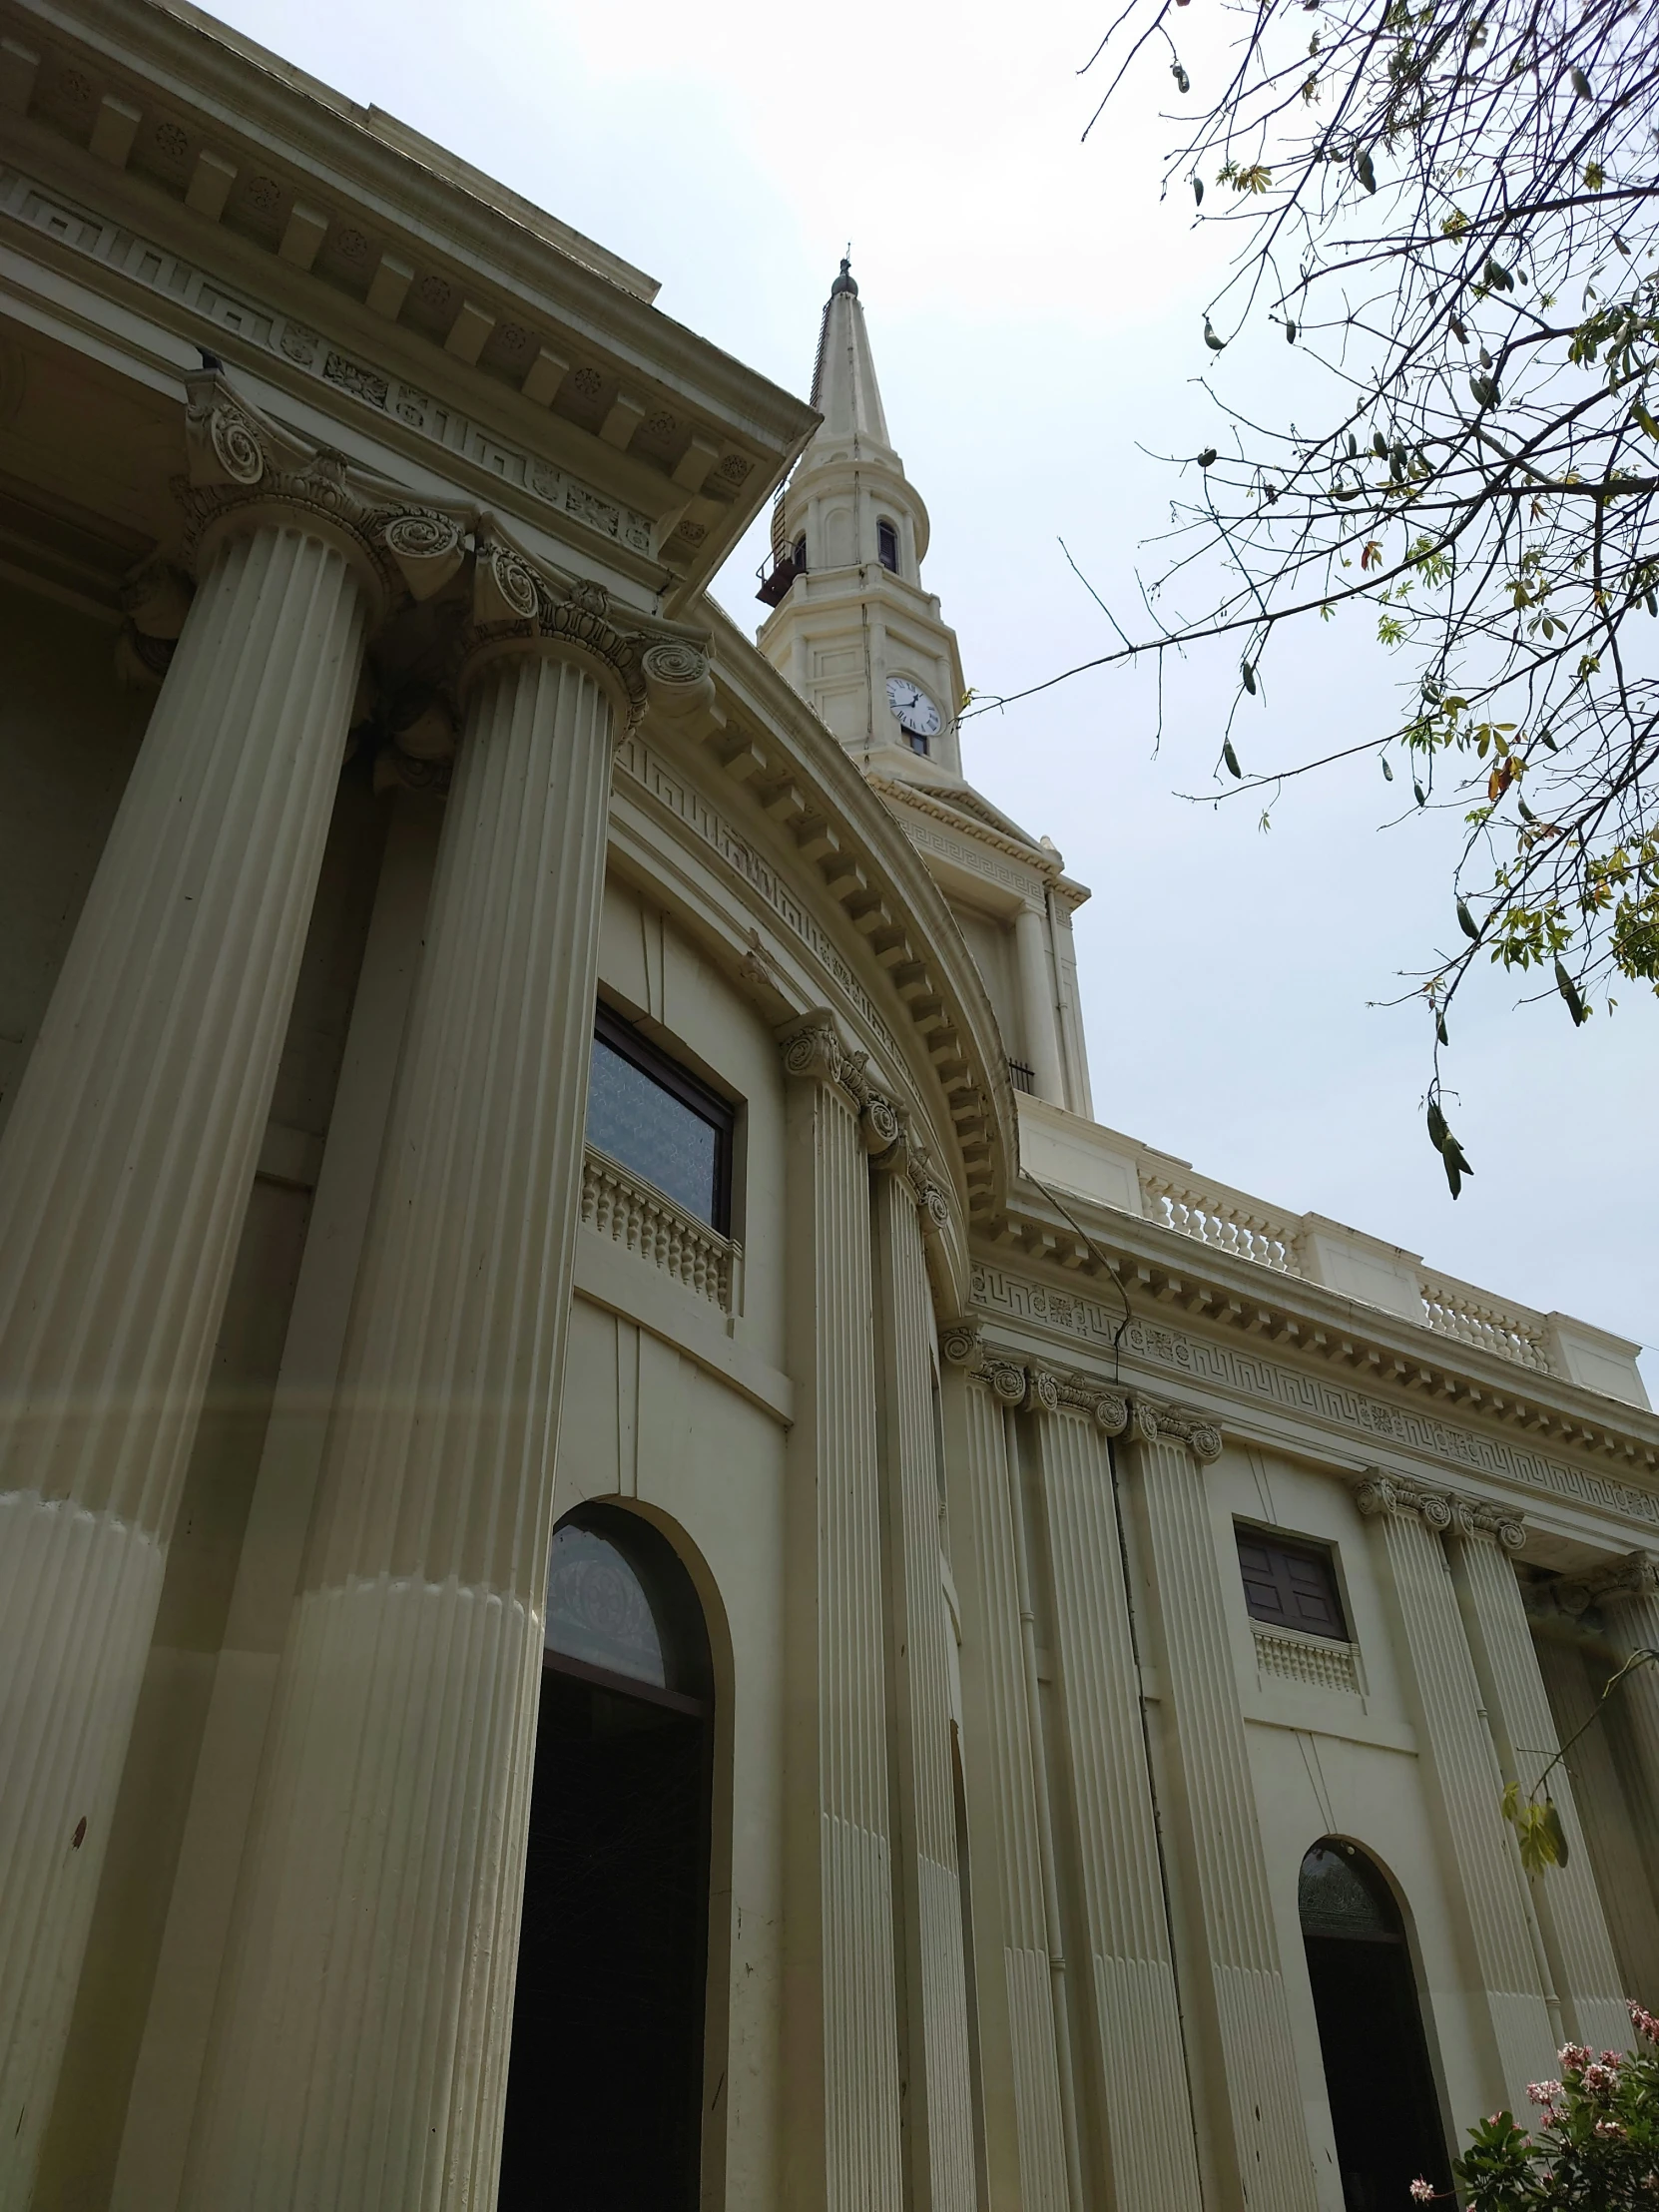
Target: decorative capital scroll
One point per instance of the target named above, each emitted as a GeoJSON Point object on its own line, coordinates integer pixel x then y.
{"type": "Point", "coordinates": [519, 605]}
{"type": "Point", "coordinates": [960, 1342]}
{"type": "Point", "coordinates": [1635, 1575]}
{"type": "Point", "coordinates": [814, 1051]}
{"type": "Point", "coordinates": [680, 686]}
{"type": "Point", "coordinates": [1376, 1494]}
{"type": "Point", "coordinates": [1154, 1421]}
{"type": "Point", "coordinates": [1109, 1408]}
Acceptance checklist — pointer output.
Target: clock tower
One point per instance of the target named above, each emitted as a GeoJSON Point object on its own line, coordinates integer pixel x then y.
{"type": "Point", "coordinates": [858, 636]}
{"type": "Point", "coordinates": [853, 627]}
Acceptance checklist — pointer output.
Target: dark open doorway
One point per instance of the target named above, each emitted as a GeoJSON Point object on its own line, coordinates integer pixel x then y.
{"type": "Point", "coordinates": [605, 2091]}
{"type": "Point", "coordinates": [1383, 2109]}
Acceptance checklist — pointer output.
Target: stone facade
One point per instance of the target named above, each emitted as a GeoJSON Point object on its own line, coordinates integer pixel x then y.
{"type": "Point", "coordinates": [366, 722]}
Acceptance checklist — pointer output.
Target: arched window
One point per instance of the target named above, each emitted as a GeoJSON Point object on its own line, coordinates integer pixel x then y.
{"type": "Point", "coordinates": [800, 554]}
{"type": "Point", "coordinates": [886, 545]}
{"type": "Point", "coordinates": [1385, 2113]}
{"type": "Point", "coordinates": [605, 2090]}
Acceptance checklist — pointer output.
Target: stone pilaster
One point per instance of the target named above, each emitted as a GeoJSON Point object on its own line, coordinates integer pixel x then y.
{"type": "Point", "coordinates": [128, 1160]}
{"type": "Point", "coordinates": [939, 2089]}
{"type": "Point", "coordinates": [1139, 2086]}
{"type": "Point", "coordinates": [360, 2050]}
{"type": "Point", "coordinates": [842, 2125]}
{"type": "Point", "coordinates": [1258, 2138]}
{"type": "Point", "coordinates": [1024, 2124]}
{"type": "Point", "coordinates": [1036, 988]}
{"type": "Point", "coordinates": [1569, 1913]}
{"type": "Point", "coordinates": [1464, 1785]}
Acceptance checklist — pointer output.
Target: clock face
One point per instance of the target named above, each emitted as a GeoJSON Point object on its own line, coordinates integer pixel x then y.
{"type": "Point", "coordinates": [912, 706]}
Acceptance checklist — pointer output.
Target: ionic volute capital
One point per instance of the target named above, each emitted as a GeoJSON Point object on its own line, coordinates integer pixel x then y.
{"type": "Point", "coordinates": [1379, 1495]}
{"type": "Point", "coordinates": [1154, 1421]}
{"type": "Point", "coordinates": [1636, 1575]}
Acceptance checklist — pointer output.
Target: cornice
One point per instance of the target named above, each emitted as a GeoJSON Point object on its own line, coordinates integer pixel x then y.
{"type": "Point", "coordinates": [1044, 864]}
{"type": "Point", "coordinates": [840, 845]}
{"type": "Point", "coordinates": [491, 247]}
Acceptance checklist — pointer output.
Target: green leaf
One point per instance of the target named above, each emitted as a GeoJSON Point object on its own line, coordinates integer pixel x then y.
{"type": "Point", "coordinates": [1364, 171]}
{"type": "Point", "coordinates": [1440, 1029]}
{"type": "Point", "coordinates": [1388, 772]}
{"type": "Point", "coordinates": [1198, 192]}
{"type": "Point", "coordinates": [1569, 992]}
{"type": "Point", "coordinates": [1468, 924]}
{"type": "Point", "coordinates": [1215, 345]}
{"type": "Point", "coordinates": [1207, 457]}
{"type": "Point", "coordinates": [1289, 331]}
{"type": "Point", "coordinates": [1380, 445]}
{"type": "Point", "coordinates": [1249, 675]}
{"type": "Point", "coordinates": [1544, 737]}
{"type": "Point", "coordinates": [1419, 794]}
{"type": "Point", "coordinates": [1511, 1801]}
{"type": "Point", "coordinates": [1231, 758]}
{"type": "Point", "coordinates": [1581, 83]}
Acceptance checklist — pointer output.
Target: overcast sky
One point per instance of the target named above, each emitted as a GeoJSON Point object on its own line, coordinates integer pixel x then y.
{"type": "Point", "coordinates": [1037, 320]}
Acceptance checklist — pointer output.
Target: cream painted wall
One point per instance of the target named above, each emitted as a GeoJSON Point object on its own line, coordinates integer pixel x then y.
{"type": "Point", "coordinates": [1325, 1761]}
{"type": "Point", "coordinates": [68, 734]}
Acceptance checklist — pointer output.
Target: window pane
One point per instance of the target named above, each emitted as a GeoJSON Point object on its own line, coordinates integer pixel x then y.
{"type": "Point", "coordinates": [652, 1132]}
{"type": "Point", "coordinates": [1338, 1895]}
{"type": "Point", "coordinates": [596, 1610]}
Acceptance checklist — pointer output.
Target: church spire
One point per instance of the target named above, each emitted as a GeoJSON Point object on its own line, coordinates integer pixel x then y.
{"type": "Point", "coordinates": [845, 389]}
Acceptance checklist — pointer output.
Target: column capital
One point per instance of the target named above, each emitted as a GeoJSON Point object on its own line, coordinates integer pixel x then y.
{"type": "Point", "coordinates": [1376, 1493]}
{"type": "Point", "coordinates": [812, 1051]}
{"type": "Point", "coordinates": [520, 607]}
{"type": "Point", "coordinates": [1636, 1575]}
{"type": "Point", "coordinates": [1155, 1422]}
{"type": "Point", "coordinates": [1033, 1385]}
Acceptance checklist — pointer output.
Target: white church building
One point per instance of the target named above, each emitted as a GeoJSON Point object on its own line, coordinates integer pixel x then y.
{"type": "Point", "coordinates": [640, 1569]}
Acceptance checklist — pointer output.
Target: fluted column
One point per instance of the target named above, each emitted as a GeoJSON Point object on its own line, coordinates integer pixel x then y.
{"type": "Point", "coordinates": [1627, 1594]}
{"type": "Point", "coordinates": [361, 2046]}
{"type": "Point", "coordinates": [842, 2125]}
{"type": "Point", "coordinates": [1139, 2085]}
{"type": "Point", "coordinates": [1613, 1816]}
{"type": "Point", "coordinates": [125, 1174]}
{"type": "Point", "coordinates": [939, 2084]}
{"type": "Point", "coordinates": [1570, 1917]}
{"type": "Point", "coordinates": [1464, 1783]}
{"type": "Point", "coordinates": [1260, 2138]}
{"type": "Point", "coordinates": [1025, 2124]}
{"type": "Point", "coordinates": [1036, 988]}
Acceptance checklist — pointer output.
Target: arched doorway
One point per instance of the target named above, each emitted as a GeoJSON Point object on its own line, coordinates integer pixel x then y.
{"type": "Point", "coordinates": [605, 2091]}
{"type": "Point", "coordinates": [1383, 2109]}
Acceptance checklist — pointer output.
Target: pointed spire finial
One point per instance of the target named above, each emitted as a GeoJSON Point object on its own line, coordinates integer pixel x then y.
{"type": "Point", "coordinates": [845, 282]}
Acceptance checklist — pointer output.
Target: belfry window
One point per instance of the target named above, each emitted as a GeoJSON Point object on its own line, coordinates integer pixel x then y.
{"type": "Point", "coordinates": [886, 545]}
{"type": "Point", "coordinates": [1290, 1586]}
{"type": "Point", "coordinates": [652, 1117]}
{"type": "Point", "coordinates": [1385, 2113]}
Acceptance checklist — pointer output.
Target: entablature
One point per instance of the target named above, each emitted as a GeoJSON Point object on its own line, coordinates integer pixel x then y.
{"type": "Point", "coordinates": [401, 280]}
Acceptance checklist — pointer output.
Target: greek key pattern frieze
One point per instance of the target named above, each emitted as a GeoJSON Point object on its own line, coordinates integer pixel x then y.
{"type": "Point", "coordinates": [1249, 1375]}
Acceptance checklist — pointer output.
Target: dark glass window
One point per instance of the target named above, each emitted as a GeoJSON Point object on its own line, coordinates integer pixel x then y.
{"type": "Point", "coordinates": [659, 1122]}
{"type": "Point", "coordinates": [597, 1609]}
{"type": "Point", "coordinates": [886, 545]}
{"type": "Point", "coordinates": [1289, 1584]}
{"type": "Point", "coordinates": [799, 555]}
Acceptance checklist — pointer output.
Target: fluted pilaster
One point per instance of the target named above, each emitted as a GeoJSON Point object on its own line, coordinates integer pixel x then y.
{"type": "Point", "coordinates": [1026, 2128]}
{"type": "Point", "coordinates": [124, 1177]}
{"type": "Point", "coordinates": [843, 2129]}
{"type": "Point", "coordinates": [939, 2084]}
{"type": "Point", "coordinates": [1259, 2139]}
{"type": "Point", "coordinates": [1139, 2086]}
{"type": "Point", "coordinates": [1571, 1921]}
{"type": "Point", "coordinates": [362, 2044]}
{"type": "Point", "coordinates": [1465, 1783]}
